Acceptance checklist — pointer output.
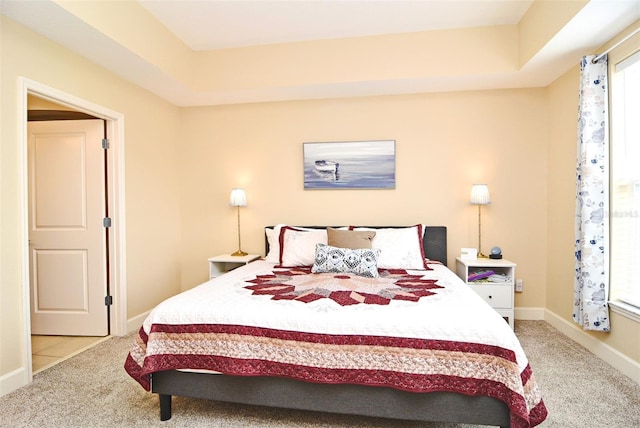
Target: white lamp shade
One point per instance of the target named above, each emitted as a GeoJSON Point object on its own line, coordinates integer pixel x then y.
{"type": "Point", "coordinates": [480, 194]}
{"type": "Point", "coordinates": [238, 198]}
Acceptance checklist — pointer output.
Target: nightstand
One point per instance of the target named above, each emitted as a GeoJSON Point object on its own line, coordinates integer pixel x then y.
{"type": "Point", "coordinates": [496, 290]}
{"type": "Point", "coordinates": [226, 262]}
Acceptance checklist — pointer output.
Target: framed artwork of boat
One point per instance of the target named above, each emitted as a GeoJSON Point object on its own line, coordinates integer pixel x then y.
{"type": "Point", "coordinates": [350, 165]}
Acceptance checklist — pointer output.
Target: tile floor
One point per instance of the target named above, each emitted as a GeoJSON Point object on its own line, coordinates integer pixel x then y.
{"type": "Point", "coordinates": [49, 350]}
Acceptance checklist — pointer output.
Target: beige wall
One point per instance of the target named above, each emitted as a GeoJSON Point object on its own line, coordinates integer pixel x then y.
{"type": "Point", "coordinates": [444, 143]}
{"type": "Point", "coordinates": [151, 186]}
{"type": "Point", "coordinates": [563, 114]}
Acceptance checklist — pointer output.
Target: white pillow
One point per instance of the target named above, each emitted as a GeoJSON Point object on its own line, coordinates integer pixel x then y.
{"type": "Point", "coordinates": [273, 238]}
{"type": "Point", "coordinates": [298, 247]}
{"type": "Point", "coordinates": [400, 248]}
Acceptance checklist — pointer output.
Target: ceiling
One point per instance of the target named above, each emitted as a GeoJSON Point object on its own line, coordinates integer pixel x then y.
{"type": "Point", "coordinates": [215, 24]}
{"type": "Point", "coordinates": [205, 26]}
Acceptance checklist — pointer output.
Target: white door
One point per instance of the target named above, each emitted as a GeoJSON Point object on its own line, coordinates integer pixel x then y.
{"type": "Point", "coordinates": [66, 232]}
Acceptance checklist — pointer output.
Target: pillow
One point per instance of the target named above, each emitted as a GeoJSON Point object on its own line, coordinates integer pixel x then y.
{"type": "Point", "coordinates": [298, 247]}
{"type": "Point", "coordinates": [401, 248]}
{"type": "Point", "coordinates": [362, 261]}
{"type": "Point", "coordinates": [352, 239]}
{"type": "Point", "coordinates": [273, 238]}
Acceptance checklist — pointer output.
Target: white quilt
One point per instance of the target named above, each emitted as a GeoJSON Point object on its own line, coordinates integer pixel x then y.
{"type": "Point", "coordinates": [420, 331]}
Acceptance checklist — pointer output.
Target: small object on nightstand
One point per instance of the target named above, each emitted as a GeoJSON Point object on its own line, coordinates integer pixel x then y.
{"type": "Point", "coordinates": [469, 254]}
{"type": "Point", "coordinates": [226, 262]}
{"type": "Point", "coordinates": [481, 274]}
{"type": "Point", "coordinates": [496, 253]}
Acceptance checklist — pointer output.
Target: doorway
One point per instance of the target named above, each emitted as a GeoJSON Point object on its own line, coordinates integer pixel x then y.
{"type": "Point", "coordinates": [114, 173]}
{"type": "Point", "coordinates": [68, 254]}
{"type": "Point", "coordinates": [68, 236]}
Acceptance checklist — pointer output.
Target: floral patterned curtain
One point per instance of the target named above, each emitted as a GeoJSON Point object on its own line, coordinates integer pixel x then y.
{"type": "Point", "coordinates": [591, 284]}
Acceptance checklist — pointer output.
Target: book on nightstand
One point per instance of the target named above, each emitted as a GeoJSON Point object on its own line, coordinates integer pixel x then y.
{"type": "Point", "coordinates": [475, 276]}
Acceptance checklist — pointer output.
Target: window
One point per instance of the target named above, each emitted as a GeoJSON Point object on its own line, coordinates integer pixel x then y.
{"type": "Point", "coordinates": [625, 181]}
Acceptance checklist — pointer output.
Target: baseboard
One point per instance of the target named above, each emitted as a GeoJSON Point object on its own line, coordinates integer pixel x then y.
{"type": "Point", "coordinates": [13, 381]}
{"type": "Point", "coordinates": [134, 324]}
{"type": "Point", "coordinates": [529, 314]}
{"type": "Point", "coordinates": [611, 356]}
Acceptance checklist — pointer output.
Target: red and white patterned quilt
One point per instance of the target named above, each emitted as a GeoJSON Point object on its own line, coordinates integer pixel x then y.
{"type": "Point", "coordinates": [417, 331]}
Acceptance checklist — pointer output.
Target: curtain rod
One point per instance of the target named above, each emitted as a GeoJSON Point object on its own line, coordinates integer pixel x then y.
{"type": "Point", "coordinates": [630, 35]}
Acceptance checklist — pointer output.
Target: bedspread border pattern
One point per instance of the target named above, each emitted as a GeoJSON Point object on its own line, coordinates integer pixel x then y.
{"type": "Point", "coordinates": [524, 401]}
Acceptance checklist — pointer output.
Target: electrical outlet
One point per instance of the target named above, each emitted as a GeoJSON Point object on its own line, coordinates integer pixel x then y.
{"type": "Point", "coordinates": [518, 285]}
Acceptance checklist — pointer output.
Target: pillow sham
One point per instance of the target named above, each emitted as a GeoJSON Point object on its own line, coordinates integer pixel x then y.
{"type": "Point", "coordinates": [273, 238]}
{"type": "Point", "coordinates": [400, 248]}
{"type": "Point", "coordinates": [361, 261]}
{"type": "Point", "coordinates": [298, 247]}
{"type": "Point", "coordinates": [352, 239]}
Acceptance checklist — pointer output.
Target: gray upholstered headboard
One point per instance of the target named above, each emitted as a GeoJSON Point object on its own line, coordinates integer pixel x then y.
{"type": "Point", "coordinates": [434, 241]}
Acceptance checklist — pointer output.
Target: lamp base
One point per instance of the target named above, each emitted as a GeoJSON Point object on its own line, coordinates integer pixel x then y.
{"type": "Point", "coordinates": [239, 253]}
{"type": "Point", "coordinates": [482, 256]}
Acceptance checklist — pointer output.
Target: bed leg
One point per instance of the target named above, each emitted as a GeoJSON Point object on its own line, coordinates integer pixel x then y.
{"type": "Point", "coordinates": [165, 407]}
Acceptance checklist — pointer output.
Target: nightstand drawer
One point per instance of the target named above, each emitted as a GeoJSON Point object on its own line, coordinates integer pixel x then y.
{"type": "Point", "coordinates": [498, 296]}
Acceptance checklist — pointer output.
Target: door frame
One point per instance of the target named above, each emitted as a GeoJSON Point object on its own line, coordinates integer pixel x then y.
{"type": "Point", "coordinates": [115, 194]}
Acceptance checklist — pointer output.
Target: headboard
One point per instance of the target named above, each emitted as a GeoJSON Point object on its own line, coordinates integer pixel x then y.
{"type": "Point", "coordinates": [434, 241]}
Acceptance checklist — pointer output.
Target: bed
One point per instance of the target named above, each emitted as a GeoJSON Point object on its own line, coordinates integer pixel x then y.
{"type": "Point", "coordinates": [354, 320]}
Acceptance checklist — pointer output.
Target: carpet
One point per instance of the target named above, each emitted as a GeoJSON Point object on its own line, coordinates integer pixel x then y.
{"type": "Point", "coordinates": [92, 389]}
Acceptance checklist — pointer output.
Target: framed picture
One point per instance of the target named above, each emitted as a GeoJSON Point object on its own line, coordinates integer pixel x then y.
{"type": "Point", "coordinates": [350, 165]}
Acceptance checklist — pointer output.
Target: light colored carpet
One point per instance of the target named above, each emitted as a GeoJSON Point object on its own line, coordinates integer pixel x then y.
{"type": "Point", "coordinates": [93, 390]}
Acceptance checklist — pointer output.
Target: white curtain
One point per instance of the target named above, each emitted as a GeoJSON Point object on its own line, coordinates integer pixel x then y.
{"type": "Point", "coordinates": [591, 284]}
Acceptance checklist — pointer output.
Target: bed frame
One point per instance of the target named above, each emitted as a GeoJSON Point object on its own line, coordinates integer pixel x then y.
{"type": "Point", "coordinates": [336, 398]}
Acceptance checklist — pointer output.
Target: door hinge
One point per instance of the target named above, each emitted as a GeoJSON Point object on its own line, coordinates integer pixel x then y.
{"type": "Point", "coordinates": [105, 143]}
{"type": "Point", "coordinates": [108, 300]}
{"type": "Point", "coordinates": [106, 222]}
